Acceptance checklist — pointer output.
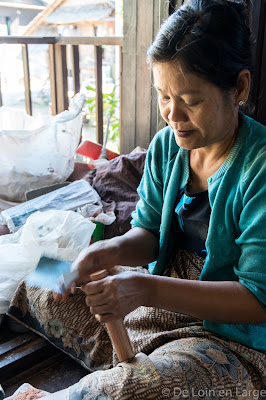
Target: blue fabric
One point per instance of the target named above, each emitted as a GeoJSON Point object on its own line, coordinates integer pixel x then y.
{"type": "Point", "coordinates": [236, 241]}
{"type": "Point", "coordinates": [191, 221]}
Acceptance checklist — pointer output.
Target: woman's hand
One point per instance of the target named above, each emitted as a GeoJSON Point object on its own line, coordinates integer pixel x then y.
{"type": "Point", "coordinates": [116, 295]}
{"type": "Point", "coordinates": [98, 256]}
{"type": "Point", "coordinates": [136, 247]}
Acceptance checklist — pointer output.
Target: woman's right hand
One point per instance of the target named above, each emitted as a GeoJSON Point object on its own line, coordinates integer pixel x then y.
{"type": "Point", "coordinates": [100, 255]}
{"type": "Point", "coordinates": [136, 247]}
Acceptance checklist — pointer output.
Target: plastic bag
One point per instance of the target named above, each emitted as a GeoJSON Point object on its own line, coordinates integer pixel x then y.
{"type": "Point", "coordinates": [70, 197]}
{"type": "Point", "coordinates": [35, 152]}
{"type": "Point", "coordinates": [56, 234]}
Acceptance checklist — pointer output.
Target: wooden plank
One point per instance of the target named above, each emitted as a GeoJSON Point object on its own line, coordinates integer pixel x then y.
{"type": "Point", "coordinates": [10, 385]}
{"type": "Point", "coordinates": [128, 131]}
{"type": "Point", "coordinates": [52, 71]}
{"type": "Point", "coordinates": [99, 95]}
{"type": "Point", "coordinates": [160, 13]}
{"type": "Point", "coordinates": [24, 357]}
{"type": "Point", "coordinates": [257, 25]}
{"type": "Point", "coordinates": [13, 344]}
{"type": "Point", "coordinates": [26, 71]}
{"type": "Point", "coordinates": [1, 100]}
{"type": "Point", "coordinates": [54, 374]}
{"type": "Point", "coordinates": [143, 74]}
{"type": "Point", "coordinates": [164, 13]}
{"type": "Point", "coordinates": [120, 94]}
{"type": "Point", "coordinates": [61, 78]}
{"type": "Point", "coordinates": [261, 105]}
{"type": "Point", "coordinates": [38, 20]}
{"type": "Point", "coordinates": [92, 40]}
{"type": "Point", "coordinates": [75, 68]}
{"type": "Point", "coordinates": [26, 40]}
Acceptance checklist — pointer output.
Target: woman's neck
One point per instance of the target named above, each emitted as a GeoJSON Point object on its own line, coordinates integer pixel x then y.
{"type": "Point", "coordinates": [205, 161]}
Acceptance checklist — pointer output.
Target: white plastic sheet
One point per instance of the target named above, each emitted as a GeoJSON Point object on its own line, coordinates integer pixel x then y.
{"type": "Point", "coordinates": [56, 234]}
{"type": "Point", "coordinates": [35, 152]}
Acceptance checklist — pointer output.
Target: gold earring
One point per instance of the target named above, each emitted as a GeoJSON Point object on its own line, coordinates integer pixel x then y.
{"type": "Point", "coordinates": [241, 103]}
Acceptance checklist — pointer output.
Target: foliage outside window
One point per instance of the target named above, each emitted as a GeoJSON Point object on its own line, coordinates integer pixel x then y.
{"type": "Point", "coordinates": [110, 105]}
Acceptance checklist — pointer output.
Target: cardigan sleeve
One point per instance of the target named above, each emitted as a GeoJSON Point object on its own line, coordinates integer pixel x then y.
{"type": "Point", "coordinates": [148, 210]}
{"type": "Point", "coordinates": [251, 268]}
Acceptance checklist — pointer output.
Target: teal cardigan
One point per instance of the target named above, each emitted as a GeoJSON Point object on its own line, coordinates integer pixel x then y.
{"type": "Point", "coordinates": [236, 241]}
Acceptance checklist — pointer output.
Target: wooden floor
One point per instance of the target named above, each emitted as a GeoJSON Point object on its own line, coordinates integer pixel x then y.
{"type": "Point", "coordinates": [27, 357]}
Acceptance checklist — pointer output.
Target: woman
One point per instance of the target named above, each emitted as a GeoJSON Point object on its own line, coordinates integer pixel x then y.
{"type": "Point", "coordinates": [201, 217]}
{"type": "Point", "coordinates": [202, 199]}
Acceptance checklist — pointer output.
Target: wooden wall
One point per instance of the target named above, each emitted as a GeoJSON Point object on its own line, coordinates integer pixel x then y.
{"type": "Point", "coordinates": [142, 18]}
{"type": "Point", "coordinates": [139, 102]}
{"type": "Point", "coordinates": [258, 91]}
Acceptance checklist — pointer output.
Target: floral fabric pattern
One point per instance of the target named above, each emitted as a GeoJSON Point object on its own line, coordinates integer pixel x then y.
{"type": "Point", "coordinates": [176, 357]}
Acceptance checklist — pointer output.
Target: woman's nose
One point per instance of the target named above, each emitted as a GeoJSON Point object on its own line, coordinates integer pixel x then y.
{"type": "Point", "coordinates": [176, 114]}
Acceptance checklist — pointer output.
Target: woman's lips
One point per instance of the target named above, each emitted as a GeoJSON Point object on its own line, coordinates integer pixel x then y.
{"type": "Point", "coordinates": [183, 134]}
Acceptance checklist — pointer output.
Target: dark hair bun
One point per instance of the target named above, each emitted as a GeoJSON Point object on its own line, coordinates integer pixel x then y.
{"type": "Point", "coordinates": [211, 37]}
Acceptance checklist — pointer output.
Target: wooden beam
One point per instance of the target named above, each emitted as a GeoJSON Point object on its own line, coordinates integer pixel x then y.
{"type": "Point", "coordinates": [92, 40]}
{"type": "Point", "coordinates": [1, 100]}
{"type": "Point", "coordinates": [128, 131]}
{"type": "Point", "coordinates": [261, 105]}
{"type": "Point", "coordinates": [52, 71]}
{"type": "Point", "coordinates": [75, 68]}
{"type": "Point", "coordinates": [99, 95]}
{"type": "Point", "coordinates": [37, 21]}
{"type": "Point", "coordinates": [61, 78]}
{"type": "Point", "coordinates": [162, 16]}
{"type": "Point", "coordinates": [26, 40]}
{"type": "Point", "coordinates": [26, 70]}
{"type": "Point", "coordinates": [143, 75]}
{"type": "Point", "coordinates": [160, 13]}
{"type": "Point", "coordinates": [13, 344]}
{"type": "Point", "coordinates": [258, 27]}
{"type": "Point", "coordinates": [121, 83]}
{"type": "Point", "coordinates": [25, 356]}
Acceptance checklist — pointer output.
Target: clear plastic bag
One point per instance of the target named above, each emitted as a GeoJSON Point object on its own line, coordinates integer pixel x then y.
{"type": "Point", "coordinates": [56, 234]}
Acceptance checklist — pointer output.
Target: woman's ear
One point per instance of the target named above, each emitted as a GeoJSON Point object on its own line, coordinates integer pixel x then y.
{"type": "Point", "coordinates": [243, 86]}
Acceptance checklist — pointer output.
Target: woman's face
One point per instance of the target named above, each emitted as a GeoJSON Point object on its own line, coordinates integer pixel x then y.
{"type": "Point", "coordinates": [199, 113]}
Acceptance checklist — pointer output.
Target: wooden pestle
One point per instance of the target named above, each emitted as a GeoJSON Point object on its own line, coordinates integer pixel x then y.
{"type": "Point", "coordinates": [116, 330]}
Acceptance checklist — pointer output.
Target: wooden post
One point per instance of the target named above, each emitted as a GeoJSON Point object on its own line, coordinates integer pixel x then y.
{"type": "Point", "coordinates": [75, 68]}
{"type": "Point", "coordinates": [1, 100]}
{"type": "Point", "coordinates": [139, 102]}
{"type": "Point", "coordinates": [52, 78]}
{"type": "Point", "coordinates": [61, 78]}
{"type": "Point", "coordinates": [120, 94]}
{"type": "Point", "coordinates": [99, 94]}
{"type": "Point", "coordinates": [128, 132]}
{"type": "Point", "coordinates": [258, 25]}
{"type": "Point", "coordinates": [26, 70]}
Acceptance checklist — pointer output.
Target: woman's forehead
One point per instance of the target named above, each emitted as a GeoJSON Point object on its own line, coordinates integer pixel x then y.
{"type": "Point", "coordinates": [175, 77]}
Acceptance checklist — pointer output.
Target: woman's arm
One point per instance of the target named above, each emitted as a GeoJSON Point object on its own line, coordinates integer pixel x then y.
{"type": "Point", "coordinates": [222, 302]}
{"type": "Point", "coordinates": [136, 247]}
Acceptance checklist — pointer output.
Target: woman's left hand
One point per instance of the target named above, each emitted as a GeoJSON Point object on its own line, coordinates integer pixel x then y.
{"type": "Point", "coordinates": [115, 296]}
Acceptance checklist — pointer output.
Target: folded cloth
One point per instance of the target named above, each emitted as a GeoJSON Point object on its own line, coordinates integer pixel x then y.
{"type": "Point", "coordinates": [27, 392]}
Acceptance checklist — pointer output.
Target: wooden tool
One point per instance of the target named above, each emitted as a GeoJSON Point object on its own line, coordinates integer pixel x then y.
{"type": "Point", "coordinates": [116, 330]}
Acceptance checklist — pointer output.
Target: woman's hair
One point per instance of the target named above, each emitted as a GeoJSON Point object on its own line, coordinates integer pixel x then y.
{"type": "Point", "coordinates": [211, 38]}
